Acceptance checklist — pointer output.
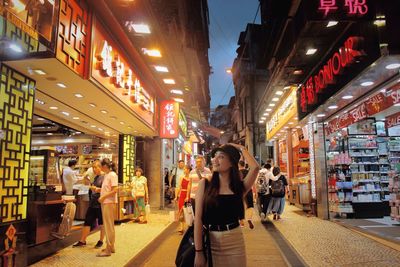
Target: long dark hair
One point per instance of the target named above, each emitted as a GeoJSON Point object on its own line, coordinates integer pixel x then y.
{"type": "Point", "coordinates": [109, 164]}
{"type": "Point", "coordinates": [212, 188]}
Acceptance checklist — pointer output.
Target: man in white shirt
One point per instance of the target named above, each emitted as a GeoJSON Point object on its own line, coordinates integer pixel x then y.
{"type": "Point", "coordinates": [196, 175]}
{"type": "Point", "coordinates": [69, 177]}
{"type": "Point", "coordinates": [263, 192]}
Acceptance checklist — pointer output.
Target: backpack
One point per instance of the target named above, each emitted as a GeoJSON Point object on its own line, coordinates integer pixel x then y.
{"type": "Point", "coordinates": [278, 188]}
{"type": "Point", "coordinates": [262, 185]}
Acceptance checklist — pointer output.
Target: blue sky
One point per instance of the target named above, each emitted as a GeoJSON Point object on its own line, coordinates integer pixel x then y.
{"type": "Point", "coordinates": [227, 19]}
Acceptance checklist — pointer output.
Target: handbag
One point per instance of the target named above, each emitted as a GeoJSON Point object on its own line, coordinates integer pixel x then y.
{"type": "Point", "coordinates": [186, 251]}
{"type": "Point", "coordinates": [147, 209]}
{"type": "Point", "coordinates": [188, 214]}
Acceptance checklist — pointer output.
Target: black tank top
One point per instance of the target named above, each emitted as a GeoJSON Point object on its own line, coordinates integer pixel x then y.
{"type": "Point", "coordinates": [226, 211]}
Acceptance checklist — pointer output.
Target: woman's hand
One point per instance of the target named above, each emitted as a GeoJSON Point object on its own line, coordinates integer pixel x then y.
{"type": "Point", "coordinates": [200, 260]}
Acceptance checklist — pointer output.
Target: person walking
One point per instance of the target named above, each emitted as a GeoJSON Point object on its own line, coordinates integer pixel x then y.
{"type": "Point", "coordinates": [196, 175]}
{"type": "Point", "coordinates": [263, 191]}
{"type": "Point", "coordinates": [248, 199]}
{"type": "Point", "coordinates": [108, 199]}
{"type": "Point", "coordinates": [221, 199]}
{"type": "Point", "coordinates": [94, 210]}
{"type": "Point", "coordinates": [183, 195]}
{"type": "Point", "coordinates": [140, 192]}
{"type": "Point", "coordinates": [279, 187]}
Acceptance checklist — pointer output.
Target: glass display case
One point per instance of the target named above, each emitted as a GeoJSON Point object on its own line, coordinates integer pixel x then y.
{"type": "Point", "coordinates": [44, 168]}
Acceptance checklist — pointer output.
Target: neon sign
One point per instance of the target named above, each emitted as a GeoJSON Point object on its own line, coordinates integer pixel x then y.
{"type": "Point", "coordinates": [110, 65]}
{"type": "Point", "coordinates": [352, 7]}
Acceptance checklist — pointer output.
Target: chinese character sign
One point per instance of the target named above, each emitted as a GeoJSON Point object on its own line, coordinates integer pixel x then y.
{"type": "Point", "coordinates": [352, 8]}
{"type": "Point", "coordinates": [169, 116]}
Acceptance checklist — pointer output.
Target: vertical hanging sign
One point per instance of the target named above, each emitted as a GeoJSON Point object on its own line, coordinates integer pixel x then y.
{"type": "Point", "coordinates": [169, 118]}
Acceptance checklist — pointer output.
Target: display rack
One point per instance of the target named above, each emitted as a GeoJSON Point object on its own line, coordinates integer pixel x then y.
{"type": "Point", "coordinates": [394, 177]}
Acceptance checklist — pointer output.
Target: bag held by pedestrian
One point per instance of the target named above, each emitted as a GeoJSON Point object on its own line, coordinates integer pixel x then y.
{"type": "Point", "coordinates": [278, 188]}
{"type": "Point", "coordinates": [188, 214]}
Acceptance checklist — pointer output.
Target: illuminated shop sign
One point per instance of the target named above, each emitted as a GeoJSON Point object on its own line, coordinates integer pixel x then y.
{"type": "Point", "coordinates": [284, 113]}
{"type": "Point", "coordinates": [111, 69]}
{"type": "Point", "coordinates": [392, 120]}
{"type": "Point", "coordinates": [169, 118]}
{"type": "Point", "coordinates": [121, 76]}
{"type": "Point", "coordinates": [351, 7]}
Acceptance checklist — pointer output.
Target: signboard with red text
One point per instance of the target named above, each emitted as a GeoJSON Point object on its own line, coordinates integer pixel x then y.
{"type": "Point", "coordinates": [169, 119]}
{"type": "Point", "coordinates": [392, 120]}
{"type": "Point", "coordinates": [341, 9]}
{"type": "Point", "coordinates": [111, 69]}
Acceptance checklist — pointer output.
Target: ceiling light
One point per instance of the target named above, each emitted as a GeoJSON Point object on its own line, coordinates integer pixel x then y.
{"type": "Point", "coordinates": [275, 99]}
{"type": "Point", "coordinates": [113, 117]}
{"type": "Point", "coordinates": [49, 133]}
{"type": "Point", "coordinates": [286, 127]}
{"type": "Point", "coordinates": [100, 129]}
{"type": "Point", "coordinates": [40, 72]}
{"type": "Point", "coordinates": [261, 122]}
{"type": "Point", "coordinates": [176, 91]}
{"type": "Point", "coordinates": [121, 122]}
{"type": "Point", "coordinates": [321, 115]}
{"type": "Point", "coordinates": [266, 114]}
{"type": "Point", "coordinates": [295, 118]}
{"type": "Point", "coordinates": [180, 100]}
{"type": "Point", "coordinates": [393, 66]}
{"type": "Point", "coordinates": [54, 108]}
{"type": "Point", "coordinates": [16, 48]}
{"type": "Point", "coordinates": [151, 52]}
{"type": "Point", "coordinates": [268, 109]}
{"type": "Point", "coordinates": [286, 88]}
{"type": "Point", "coordinates": [161, 69]}
{"type": "Point", "coordinates": [75, 118]}
{"type": "Point", "coordinates": [298, 72]}
{"type": "Point", "coordinates": [78, 95]}
{"type": "Point", "coordinates": [333, 107]}
{"type": "Point", "coordinates": [65, 113]}
{"type": "Point", "coordinates": [332, 23]}
{"type": "Point", "coordinates": [129, 127]}
{"type": "Point", "coordinates": [39, 101]}
{"type": "Point", "coordinates": [368, 83]}
{"type": "Point", "coordinates": [311, 51]}
{"type": "Point", "coordinates": [40, 119]}
{"type": "Point", "coordinates": [291, 123]}
{"type": "Point", "coordinates": [93, 126]}
{"type": "Point", "coordinates": [279, 92]}
{"type": "Point", "coordinates": [141, 28]}
{"type": "Point", "coordinates": [92, 105]}
{"type": "Point", "coordinates": [61, 85]}
{"type": "Point", "coordinates": [263, 118]}
{"type": "Point", "coordinates": [169, 81]}
{"type": "Point", "coordinates": [272, 105]}
{"type": "Point", "coordinates": [347, 97]}
{"type": "Point", "coordinates": [103, 111]}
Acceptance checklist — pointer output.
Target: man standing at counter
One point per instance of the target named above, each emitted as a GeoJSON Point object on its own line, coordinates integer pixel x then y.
{"type": "Point", "coordinates": [69, 177]}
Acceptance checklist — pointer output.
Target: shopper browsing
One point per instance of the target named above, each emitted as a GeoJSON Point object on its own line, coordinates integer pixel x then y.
{"type": "Point", "coordinates": [94, 210]}
{"type": "Point", "coordinates": [141, 194]}
{"type": "Point", "coordinates": [222, 199]}
{"type": "Point", "coordinates": [108, 199]}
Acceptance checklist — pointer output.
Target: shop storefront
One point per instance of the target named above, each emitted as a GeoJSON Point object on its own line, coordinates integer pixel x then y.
{"type": "Point", "coordinates": [69, 91]}
{"type": "Point", "coordinates": [292, 149]}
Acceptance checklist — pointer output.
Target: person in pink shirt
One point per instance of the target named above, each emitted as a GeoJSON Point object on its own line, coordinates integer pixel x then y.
{"type": "Point", "coordinates": [108, 199]}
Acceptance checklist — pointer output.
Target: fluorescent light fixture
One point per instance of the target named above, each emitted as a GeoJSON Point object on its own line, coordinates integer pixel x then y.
{"type": "Point", "coordinates": [49, 133]}
{"type": "Point", "coordinates": [75, 118]}
{"type": "Point", "coordinates": [92, 105]}
{"type": "Point", "coordinates": [65, 113]}
{"type": "Point", "coordinates": [169, 81]}
{"type": "Point", "coordinates": [104, 111]}
{"type": "Point", "coordinates": [333, 107]}
{"type": "Point", "coordinates": [275, 99]}
{"type": "Point", "coordinates": [39, 72]}
{"type": "Point", "coordinates": [321, 115]}
{"type": "Point", "coordinates": [61, 85]}
{"type": "Point", "coordinates": [347, 97]}
{"type": "Point", "coordinates": [151, 52]}
{"type": "Point", "coordinates": [368, 83]}
{"type": "Point", "coordinates": [40, 119]}
{"type": "Point", "coordinates": [268, 109]}
{"type": "Point", "coordinates": [93, 126]}
{"type": "Point", "coordinates": [261, 122]}
{"type": "Point", "coordinates": [194, 124]}
{"type": "Point", "coordinates": [78, 95]}
{"type": "Point", "coordinates": [393, 66]}
{"type": "Point", "coordinates": [100, 129]}
{"type": "Point", "coordinates": [161, 68]}
{"type": "Point", "coordinates": [266, 114]}
{"type": "Point", "coordinates": [222, 132]}
{"type": "Point", "coordinates": [296, 118]}
{"type": "Point", "coordinates": [332, 23]}
{"type": "Point", "coordinates": [15, 48]}
{"type": "Point", "coordinates": [113, 117]}
{"type": "Point", "coordinates": [279, 93]}
{"type": "Point", "coordinates": [177, 91]}
{"type": "Point", "coordinates": [291, 123]}
{"type": "Point", "coordinates": [179, 100]}
{"type": "Point", "coordinates": [263, 118]}
{"type": "Point", "coordinates": [311, 51]}
{"type": "Point", "coordinates": [272, 105]}
{"type": "Point", "coordinates": [54, 108]}
{"type": "Point", "coordinates": [286, 88]}
{"type": "Point", "coordinates": [298, 72]}
{"type": "Point", "coordinates": [121, 122]}
{"type": "Point", "coordinates": [141, 28]}
{"type": "Point", "coordinates": [39, 101]}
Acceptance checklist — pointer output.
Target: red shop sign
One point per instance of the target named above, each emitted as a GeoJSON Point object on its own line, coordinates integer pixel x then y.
{"type": "Point", "coordinates": [352, 7]}
{"type": "Point", "coordinates": [392, 120]}
{"type": "Point", "coordinates": [394, 95]}
{"type": "Point", "coordinates": [376, 104]}
{"type": "Point", "coordinates": [169, 116]}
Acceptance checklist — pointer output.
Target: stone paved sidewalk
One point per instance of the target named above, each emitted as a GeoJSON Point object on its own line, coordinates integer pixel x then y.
{"type": "Point", "coordinates": [325, 243]}
{"type": "Point", "coordinates": [130, 239]}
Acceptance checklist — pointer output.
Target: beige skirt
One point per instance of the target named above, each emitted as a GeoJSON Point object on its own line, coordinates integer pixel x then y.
{"type": "Point", "coordinates": [228, 248]}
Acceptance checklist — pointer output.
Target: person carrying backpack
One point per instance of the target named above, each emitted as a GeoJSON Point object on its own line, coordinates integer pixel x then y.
{"type": "Point", "coordinates": [278, 188]}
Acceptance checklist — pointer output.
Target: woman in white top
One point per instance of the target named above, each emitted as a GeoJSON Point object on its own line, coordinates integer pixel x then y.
{"type": "Point", "coordinates": [141, 194]}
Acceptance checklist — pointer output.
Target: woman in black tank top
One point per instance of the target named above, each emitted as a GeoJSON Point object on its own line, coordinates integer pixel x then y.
{"type": "Point", "coordinates": [222, 202]}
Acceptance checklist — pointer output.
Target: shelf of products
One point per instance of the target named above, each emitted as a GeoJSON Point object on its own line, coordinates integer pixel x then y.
{"type": "Point", "coordinates": [394, 177]}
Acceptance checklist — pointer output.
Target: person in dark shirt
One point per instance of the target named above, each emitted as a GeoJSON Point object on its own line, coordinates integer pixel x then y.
{"type": "Point", "coordinates": [94, 210]}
